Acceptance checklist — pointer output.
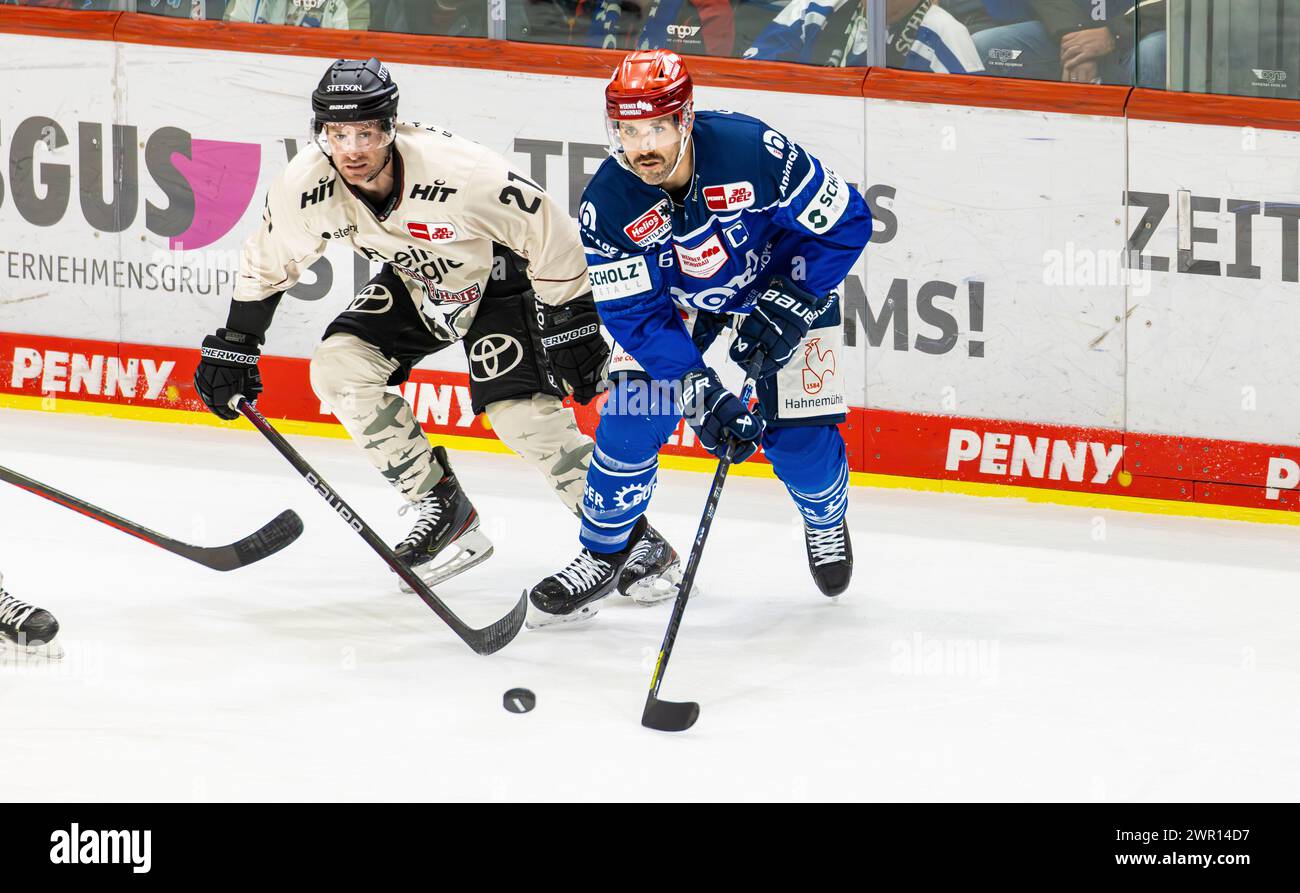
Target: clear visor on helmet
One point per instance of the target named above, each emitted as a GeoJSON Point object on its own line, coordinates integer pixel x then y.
{"type": "Point", "coordinates": [354, 136]}
{"type": "Point", "coordinates": [665, 136]}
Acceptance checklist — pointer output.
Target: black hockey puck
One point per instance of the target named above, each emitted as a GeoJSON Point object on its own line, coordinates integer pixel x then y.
{"type": "Point", "coordinates": [519, 700]}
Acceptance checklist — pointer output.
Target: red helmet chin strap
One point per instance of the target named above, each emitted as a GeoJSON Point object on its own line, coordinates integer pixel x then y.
{"type": "Point", "coordinates": [685, 122]}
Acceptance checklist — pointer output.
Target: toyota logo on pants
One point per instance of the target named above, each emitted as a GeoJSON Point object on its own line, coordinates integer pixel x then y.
{"type": "Point", "coordinates": [493, 356]}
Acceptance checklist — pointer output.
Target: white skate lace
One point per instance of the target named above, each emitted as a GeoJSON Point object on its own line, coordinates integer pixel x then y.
{"type": "Point", "coordinates": [14, 612]}
{"type": "Point", "coordinates": [583, 572]}
{"type": "Point", "coordinates": [827, 546]}
{"type": "Point", "coordinates": [430, 509]}
{"type": "Point", "coordinates": [639, 553]}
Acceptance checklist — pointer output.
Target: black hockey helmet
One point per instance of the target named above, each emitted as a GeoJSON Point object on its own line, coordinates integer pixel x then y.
{"type": "Point", "coordinates": [352, 90]}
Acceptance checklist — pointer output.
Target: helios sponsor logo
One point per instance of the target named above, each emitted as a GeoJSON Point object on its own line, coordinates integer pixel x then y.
{"type": "Point", "coordinates": [1017, 455]}
{"type": "Point", "coordinates": [651, 226]}
{"type": "Point", "coordinates": [87, 847]}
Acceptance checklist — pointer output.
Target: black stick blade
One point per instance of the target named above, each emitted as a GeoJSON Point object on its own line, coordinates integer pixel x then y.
{"type": "Point", "coordinates": [669, 716]}
{"type": "Point", "coordinates": [493, 638]}
{"type": "Point", "coordinates": [282, 530]}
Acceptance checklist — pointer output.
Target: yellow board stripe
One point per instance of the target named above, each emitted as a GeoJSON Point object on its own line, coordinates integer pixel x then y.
{"type": "Point", "coordinates": [1108, 501]}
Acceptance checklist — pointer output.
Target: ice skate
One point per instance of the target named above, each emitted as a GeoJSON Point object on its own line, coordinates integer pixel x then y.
{"type": "Point", "coordinates": [653, 572]}
{"type": "Point", "coordinates": [27, 628]}
{"type": "Point", "coordinates": [446, 540]}
{"type": "Point", "coordinates": [572, 594]}
{"type": "Point", "coordinates": [830, 557]}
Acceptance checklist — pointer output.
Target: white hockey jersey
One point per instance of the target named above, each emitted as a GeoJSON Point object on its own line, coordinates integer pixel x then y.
{"type": "Point", "coordinates": [452, 201]}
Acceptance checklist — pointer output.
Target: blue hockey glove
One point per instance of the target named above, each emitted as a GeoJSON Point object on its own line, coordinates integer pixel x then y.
{"type": "Point", "coordinates": [718, 417]}
{"type": "Point", "coordinates": [776, 326]}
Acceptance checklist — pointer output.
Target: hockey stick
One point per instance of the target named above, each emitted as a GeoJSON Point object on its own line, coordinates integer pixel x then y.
{"type": "Point", "coordinates": [678, 716]}
{"type": "Point", "coordinates": [280, 532]}
{"type": "Point", "coordinates": [483, 641]}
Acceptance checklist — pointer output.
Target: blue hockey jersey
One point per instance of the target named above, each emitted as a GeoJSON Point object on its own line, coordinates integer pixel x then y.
{"type": "Point", "coordinates": [758, 205]}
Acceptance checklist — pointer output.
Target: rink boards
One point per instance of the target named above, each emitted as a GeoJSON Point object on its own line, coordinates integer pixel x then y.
{"type": "Point", "coordinates": [1091, 298]}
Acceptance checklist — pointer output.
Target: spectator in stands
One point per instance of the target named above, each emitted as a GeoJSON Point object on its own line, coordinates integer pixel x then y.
{"type": "Point", "coordinates": [176, 9]}
{"type": "Point", "coordinates": [922, 36]}
{"type": "Point", "coordinates": [683, 26]}
{"type": "Point", "coordinates": [345, 14]}
{"type": "Point", "coordinates": [450, 18]}
{"type": "Point", "coordinates": [553, 21]}
{"type": "Point", "coordinates": [1061, 40]}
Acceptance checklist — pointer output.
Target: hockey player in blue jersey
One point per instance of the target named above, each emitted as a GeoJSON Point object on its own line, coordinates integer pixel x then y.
{"type": "Point", "coordinates": [722, 220]}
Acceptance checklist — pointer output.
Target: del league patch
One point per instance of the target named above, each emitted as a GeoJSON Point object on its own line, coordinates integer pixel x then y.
{"type": "Point", "coordinates": [729, 196]}
{"type": "Point", "coordinates": [432, 232]}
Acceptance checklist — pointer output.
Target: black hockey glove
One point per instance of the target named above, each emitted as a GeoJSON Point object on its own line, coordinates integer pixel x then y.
{"type": "Point", "coordinates": [776, 326]}
{"type": "Point", "coordinates": [574, 346]}
{"type": "Point", "coordinates": [717, 416]}
{"type": "Point", "coordinates": [228, 367]}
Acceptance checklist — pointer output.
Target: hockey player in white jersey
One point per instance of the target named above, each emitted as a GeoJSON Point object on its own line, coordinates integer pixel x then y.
{"type": "Point", "coordinates": [472, 251]}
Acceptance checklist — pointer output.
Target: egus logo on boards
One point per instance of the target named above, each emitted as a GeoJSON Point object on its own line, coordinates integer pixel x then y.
{"type": "Point", "coordinates": [206, 185]}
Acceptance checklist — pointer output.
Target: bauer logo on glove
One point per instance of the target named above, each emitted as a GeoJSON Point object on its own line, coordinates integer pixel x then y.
{"type": "Point", "coordinates": [776, 326]}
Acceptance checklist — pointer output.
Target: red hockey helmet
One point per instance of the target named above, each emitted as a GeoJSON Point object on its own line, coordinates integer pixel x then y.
{"type": "Point", "coordinates": [649, 84]}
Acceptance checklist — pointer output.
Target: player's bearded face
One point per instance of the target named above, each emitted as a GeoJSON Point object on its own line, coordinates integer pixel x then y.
{"type": "Point", "coordinates": [360, 150]}
{"type": "Point", "coordinates": [651, 147]}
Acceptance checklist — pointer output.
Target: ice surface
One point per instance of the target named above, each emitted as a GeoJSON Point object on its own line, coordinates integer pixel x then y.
{"type": "Point", "coordinates": [987, 649]}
